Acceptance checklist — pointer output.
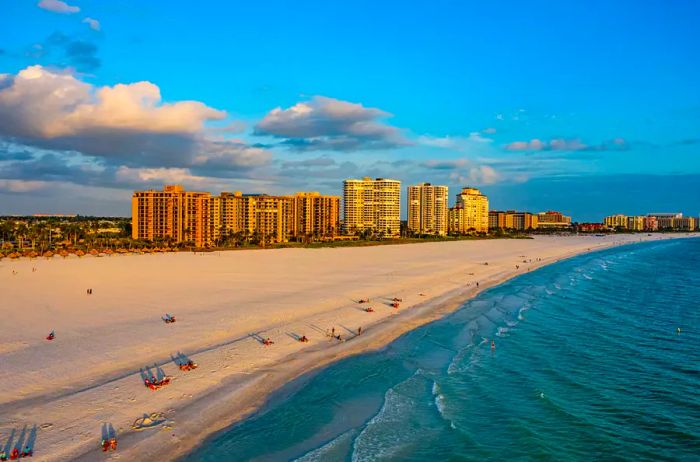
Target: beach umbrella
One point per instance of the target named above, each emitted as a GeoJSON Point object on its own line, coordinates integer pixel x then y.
{"type": "Point", "coordinates": [33, 254]}
{"type": "Point", "coordinates": [48, 254]}
{"type": "Point", "coordinates": [14, 255]}
{"type": "Point", "coordinates": [94, 252]}
{"type": "Point", "coordinates": [80, 253]}
{"type": "Point", "coordinates": [63, 253]}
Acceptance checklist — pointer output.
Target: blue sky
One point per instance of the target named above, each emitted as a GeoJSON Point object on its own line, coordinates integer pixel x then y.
{"type": "Point", "coordinates": [567, 105]}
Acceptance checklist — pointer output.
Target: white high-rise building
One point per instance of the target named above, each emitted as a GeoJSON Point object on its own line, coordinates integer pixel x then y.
{"type": "Point", "coordinates": [372, 205]}
{"type": "Point", "coordinates": [427, 209]}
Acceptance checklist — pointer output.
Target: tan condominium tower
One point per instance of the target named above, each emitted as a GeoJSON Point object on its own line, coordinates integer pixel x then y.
{"type": "Point", "coordinates": [372, 205]}
{"type": "Point", "coordinates": [427, 209]}
{"type": "Point", "coordinates": [470, 213]}
{"type": "Point", "coordinates": [174, 215]}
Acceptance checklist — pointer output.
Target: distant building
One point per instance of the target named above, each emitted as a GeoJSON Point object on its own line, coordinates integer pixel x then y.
{"type": "Point", "coordinates": [553, 220]}
{"type": "Point", "coordinates": [520, 221]}
{"type": "Point", "coordinates": [616, 221]}
{"type": "Point", "coordinates": [651, 223]}
{"type": "Point", "coordinates": [470, 213]}
{"type": "Point", "coordinates": [179, 216]}
{"type": "Point", "coordinates": [591, 227]}
{"type": "Point", "coordinates": [667, 221]}
{"type": "Point", "coordinates": [427, 209]}
{"type": "Point", "coordinates": [635, 223]}
{"type": "Point", "coordinates": [372, 205]}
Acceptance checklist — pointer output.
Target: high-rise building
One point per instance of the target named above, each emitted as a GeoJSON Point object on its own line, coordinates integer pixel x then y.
{"type": "Point", "coordinates": [179, 216]}
{"type": "Point", "coordinates": [172, 214]}
{"type": "Point", "coordinates": [470, 213]}
{"type": "Point", "coordinates": [316, 215]}
{"type": "Point", "coordinates": [521, 221]}
{"type": "Point", "coordinates": [372, 205]}
{"type": "Point", "coordinates": [427, 209]}
{"type": "Point", "coordinates": [553, 220]}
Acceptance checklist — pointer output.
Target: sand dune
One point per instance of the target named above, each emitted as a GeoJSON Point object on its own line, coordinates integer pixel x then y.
{"type": "Point", "coordinates": [90, 374]}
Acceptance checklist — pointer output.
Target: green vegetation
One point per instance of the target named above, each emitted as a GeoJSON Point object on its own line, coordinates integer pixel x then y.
{"type": "Point", "coordinates": [46, 235]}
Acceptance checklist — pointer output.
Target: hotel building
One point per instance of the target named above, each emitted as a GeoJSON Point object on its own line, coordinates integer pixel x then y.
{"type": "Point", "coordinates": [427, 209]}
{"type": "Point", "coordinates": [372, 205]}
{"type": "Point", "coordinates": [470, 213]}
{"type": "Point", "coordinates": [553, 220]}
{"type": "Point", "coordinates": [204, 219]}
{"type": "Point", "coordinates": [521, 221]}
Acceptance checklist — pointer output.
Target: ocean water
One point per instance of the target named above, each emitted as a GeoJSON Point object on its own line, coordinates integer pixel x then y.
{"type": "Point", "coordinates": [588, 365]}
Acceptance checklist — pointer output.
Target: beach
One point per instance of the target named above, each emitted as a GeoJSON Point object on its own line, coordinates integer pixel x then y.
{"type": "Point", "coordinates": [224, 303]}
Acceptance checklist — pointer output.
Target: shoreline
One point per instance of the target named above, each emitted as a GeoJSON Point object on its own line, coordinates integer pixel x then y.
{"type": "Point", "coordinates": [237, 396]}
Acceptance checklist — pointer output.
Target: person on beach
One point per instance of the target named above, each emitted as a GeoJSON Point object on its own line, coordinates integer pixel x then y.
{"type": "Point", "coordinates": [493, 344]}
{"type": "Point", "coordinates": [333, 331]}
{"type": "Point", "coordinates": [3, 455]}
{"type": "Point", "coordinates": [359, 330]}
{"type": "Point", "coordinates": [477, 284]}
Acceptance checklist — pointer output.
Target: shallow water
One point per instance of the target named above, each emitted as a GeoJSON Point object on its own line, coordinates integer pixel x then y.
{"type": "Point", "coordinates": [588, 365]}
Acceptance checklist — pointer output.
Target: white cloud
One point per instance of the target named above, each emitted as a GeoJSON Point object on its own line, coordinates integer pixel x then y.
{"type": "Point", "coordinates": [479, 175]}
{"type": "Point", "coordinates": [328, 123]}
{"type": "Point", "coordinates": [124, 124]}
{"type": "Point", "coordinates": [94, 24]}
{"type": "Point", "coordinates": [565, 144]}
{"type": "Point", "coordinates": [58, 6]}
{"type": "Point", "coordinates": [21, 186]}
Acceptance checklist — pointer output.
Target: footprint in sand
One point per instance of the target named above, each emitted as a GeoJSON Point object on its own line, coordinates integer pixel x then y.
{"type": "Point", "coordinates": [46, 426]}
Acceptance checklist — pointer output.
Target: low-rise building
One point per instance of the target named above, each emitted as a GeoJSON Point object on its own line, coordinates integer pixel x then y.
{"type": "Point", "coordinates": [553, 220]}
{"type": "Point", "coordinates": [520, 221]}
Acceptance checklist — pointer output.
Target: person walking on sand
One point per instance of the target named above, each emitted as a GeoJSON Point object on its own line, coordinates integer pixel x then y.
{"type": "Point", "coordinates": [359, 330]}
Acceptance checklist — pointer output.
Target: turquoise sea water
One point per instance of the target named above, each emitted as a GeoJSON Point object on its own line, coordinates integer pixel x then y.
{"type": "Point", "coordinates": [588, 365]}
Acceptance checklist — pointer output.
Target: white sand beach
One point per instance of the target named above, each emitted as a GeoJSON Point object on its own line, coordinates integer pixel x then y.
{"type": "Point", "coordinates": [89, 375]}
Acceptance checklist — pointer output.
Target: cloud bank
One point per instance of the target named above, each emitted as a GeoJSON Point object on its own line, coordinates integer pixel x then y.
{"type": "Point", "coordinates": [70, 130]}
{"type": "Point", "coordinates": [330, 124]}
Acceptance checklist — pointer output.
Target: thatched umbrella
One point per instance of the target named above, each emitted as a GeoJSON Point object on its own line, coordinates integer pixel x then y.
{"type": "Point", "coordinates": [80, 253]}
{"type": "Point", "coordinates": [109, 251]}
{"type": "Point", "coordinates": [48, 254]}
{"type": "Point", "coordinates": [94, 252]}
{"type": "Point", "coordinates": [63, 253]}
{"type": "Point", "coordinates": [14, 255]}
{"type": "Point", "coordinates": [33, 254]}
